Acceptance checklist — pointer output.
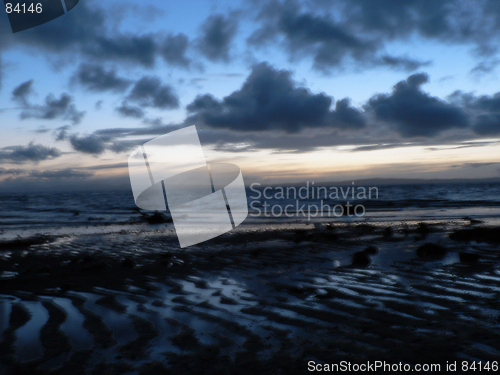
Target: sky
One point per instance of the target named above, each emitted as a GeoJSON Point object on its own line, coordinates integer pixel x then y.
{"type": "Point", "coordinates": [290, 91]}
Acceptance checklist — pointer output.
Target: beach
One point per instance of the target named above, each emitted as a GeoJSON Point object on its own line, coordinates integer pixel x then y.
{"type": "Point", "coordinates": [264, 298]}
{"type": "Point", "coordinates": [249, 187]}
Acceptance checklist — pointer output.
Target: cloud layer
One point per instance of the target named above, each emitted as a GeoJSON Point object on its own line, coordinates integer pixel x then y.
{"type": "Point", "coordinates": [413, 112]}
{"type": "Point", "coordinates": [96, 78]}
{"type": "Point", "coordinates": [335, 34]}
{"type": "Point", "coordinates": [270, 100]}
{"type": "Point", "coordinates": [218, 32]}
{"type": "Point", "coordinates": [270, 109]}
{"type": "Point", "coordinates": [30, 153]}
{"type": "Point", "coordinates": [53, 108]}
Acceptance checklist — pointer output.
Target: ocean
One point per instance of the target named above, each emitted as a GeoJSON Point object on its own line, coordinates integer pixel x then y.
{"type": "Point", "coordinates": [388, 202]}
{"type": "Point", "coordinates": [88, 285]}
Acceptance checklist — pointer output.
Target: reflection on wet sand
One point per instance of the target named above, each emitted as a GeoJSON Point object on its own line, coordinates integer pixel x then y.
{"type": "Point", "coordinates": [258, 299]}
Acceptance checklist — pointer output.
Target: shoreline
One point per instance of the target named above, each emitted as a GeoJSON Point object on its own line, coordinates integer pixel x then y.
{"type": "Point", "coordinates": [257, 299]}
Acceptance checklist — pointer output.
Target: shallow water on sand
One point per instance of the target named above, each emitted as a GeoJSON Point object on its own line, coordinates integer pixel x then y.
{"type": "Point", "coordinates": [274, 296]}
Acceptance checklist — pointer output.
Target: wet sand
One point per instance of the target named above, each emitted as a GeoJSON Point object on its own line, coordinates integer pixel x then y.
{"type": "Point", "coordinates": [263, 299]}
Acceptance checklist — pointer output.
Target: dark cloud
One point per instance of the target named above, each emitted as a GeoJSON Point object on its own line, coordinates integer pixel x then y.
{"type": "Point", "coordinates": [12, 172]}
{"type": "Point", "coordinates": [346, 116]}
{"type": "Point", "coordinates": [54, 108]}
{"type": "Point", "coordinates": [32, 152]}
{"type": "Point", "coordinates": [96, 78]}
{"type": "Point", "coordinates": [155, 130]}
{"type": "Point", "coordinates": [173, 50]}
{"type": "Point", "coordinates": [150, 92]}
{"type": "Point", "coordinates": [488, 124]}
{"type": "Point", "coordinates": [124, 145]}
{"type": "Point", "coordinates": [413, 112]}
{"type": "Point", "coordinates": [332, 33]}
{"type": "Point", "coordinates": [91, 144]}
{"type": "Point", "coordinates": [403, 63]}
{"type": "Point", "coordinates": [464, 22]}
{"type": "Point", "coordinates": [135, 49]}
{"type": "Point", "coordinates": [278, 141]}
{"type": "Point", "coordinates": [218, 32]}
{"type": "Point", "coordinates": [370, 137]}
{"type": "Point", "coordinates": [331, 41]}
{"type": "Point", "coordinates": [128, 110]}
{"type": "Point", "coordinates": [474, 165]}
{"type": "Point", "coordinates": [378, 146]}
{"type": "Point", "coordinates": [104, 167]}
{"type": "Point", "coordinates": [272, 111]}
{"type": "Point", "coordinates": [270, 100]}
{"type": "Point", "coordinates": [21, 93]}
{"type": "Point", "coordinates": [436, 145]}
{"type": "Point", "coordinates": [91, 31]}
{"type": "Point", "coordinates": [60, 174]}
{"type": "Point", "coordinates": [41, 130]}
{"type": "Point", "coordinates": [158, 121]}
{"type": "Point", "coordinates": [485, 103]}
{"type": "Point", "coordinates": [336, 33]}
{"type": "Point", "coordinates": [106, 139]}
{"type": "Point", "coordinates": [485, 67]}
{"type": "Point", "coordinates": [112, 139]}
{"type": "Point", "coordinates": [327, 40]}
{"type": "Point", "coordinates": [61, 133]}
{"type": "Point", "coordinates": [484, 111]}
{"type": "Point", "coordinates": [224, 139]}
